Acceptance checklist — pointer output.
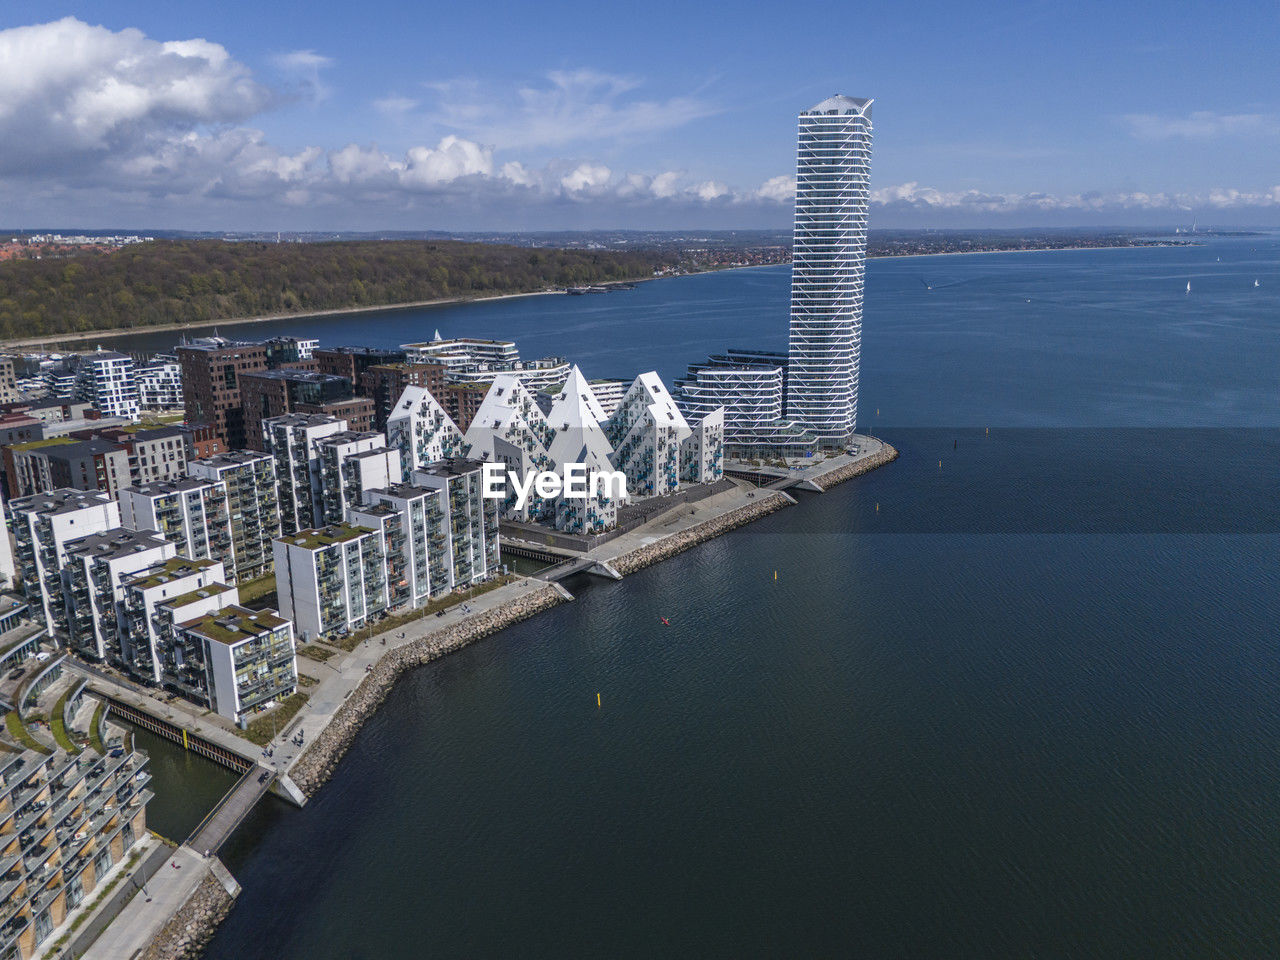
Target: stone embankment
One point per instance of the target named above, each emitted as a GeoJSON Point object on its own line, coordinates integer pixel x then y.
{"type": "Point", "coordinates": [316, 765]}
{"type": "Point", "coordinates": [885, 455]}
{"type": "Point", "coordinates": [679, 542]}
{"type": "Point", "coordinates": [185, 935]}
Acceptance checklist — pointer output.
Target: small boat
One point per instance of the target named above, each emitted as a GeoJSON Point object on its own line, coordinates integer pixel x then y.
{"type": "Point", "coordinates": [1188, 286]}
{"type": "Point", "coordinates": [1255, 283]}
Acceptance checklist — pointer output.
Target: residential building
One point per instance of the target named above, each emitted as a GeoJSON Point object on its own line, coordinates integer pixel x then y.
{"type": "Point", "coordinates": [93, 586]}
{"type": "Point", "coordinates": [414, 522]}
{"type": "Point", "coordinates": [357, 411]}
{"type": "Point", "coordinates": [646, 433]}
{"type": "Point", "coordinates": [750, 386]}
{"type": "Point", "coordinates": [43, 526]}
{"type": "Point", "coordinates": [331, 580]}
{"type": "Point", "coordinates": [461, 401]}
{"type": "Point", "coordinates": [460, 351]}
{"type": "Point", "coordinates": [702, 452]}
{"type": "Point", "coordinates": [469, 360]}
{"type": "Point", "coordinates": [236, 661]}
{"type": "Point", "coordinates": [511, 428]}
{"type": "Point", "coordinates": [352, 462]}
{"type": "Point", "coordinates": [63, 462]}
{"type": "Point", "coordinates": [68, 822]}
{"type": "Point", "coordinates": [105, 379]}
{"type": "Point", "coordinates": [211, 372]}
{"type": "Point", "coordinates": [159, 384]}
{"type": "Point", "coordinates": [8, 381]}
{"type": "Point", "coordinates": [350, 363]}
{"type": "Point", "coordinates": [20, 428]}
{"type": "Point", "coordinates": [150, 599]}
{"type": "Point", "coordinates": [268, 394]}
{"type": "Point", "coordinates": [577, 419]}
{"type": "Point", "coordinates": [472, 542]}
{"type": "Point", "coordinates": [54, 410]}
{"type": "Point", "coordinates": [293, 442]}
{"type": "Point", "coordinates": [192, 514]}
{"type": "Point", "coordinates": [385, 384]}
{"type": "Point", "coordinates": [253, 505]}
{"type": "Point", "coordinates": [420, 429]}
{"type": "Point", "coordinates": [155, 453]}
{"type": "Point", "coordinates": [201, 441]}
{"type": "Point", "coordinates": [833, 173]}
{"type": "Point", "coordinates": [285, 350]}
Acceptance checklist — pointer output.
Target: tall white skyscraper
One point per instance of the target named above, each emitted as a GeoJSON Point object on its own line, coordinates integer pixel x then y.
{"type": "Point", "coordinates": [833, 173]}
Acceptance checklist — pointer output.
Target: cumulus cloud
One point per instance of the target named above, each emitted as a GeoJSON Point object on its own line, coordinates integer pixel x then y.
{"type": "Point", "coordinates": [70, 92]}
{"type": "Point", "coordinates": [305, 67]}
{"type": "Point", "coordinates": [1202, 125]}
{"type": "Point", "coordinates": [913, 195]}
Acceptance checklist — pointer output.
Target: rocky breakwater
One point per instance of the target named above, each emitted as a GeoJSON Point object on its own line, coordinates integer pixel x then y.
{"type": "Point", "coordinates": [185, 935]}
{"type": "Point", "coordinates": [699, 533]}
{"type": "Point", "coordinates": [886, 454]}
{"type": "Point", "coordinates": [317, 764]}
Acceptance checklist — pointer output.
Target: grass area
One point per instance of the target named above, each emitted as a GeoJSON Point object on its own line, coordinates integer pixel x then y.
{"type": "Point", "coordinates": [256, 589]}
{"type": "Point", "coordinates": [317, 652]}
{"type": "Point", "coordinates": [305, 681]}
{"type": "Point", "coordinates": [18, 730]}
{"type": "Point", "coordinates": [95, 740]}
{"type": "Point", "coordinates": [58, 725]}
{"type": "Point", "coordinates": [261, 729]}
{"type": "Point", "coordinates": [354, 639]}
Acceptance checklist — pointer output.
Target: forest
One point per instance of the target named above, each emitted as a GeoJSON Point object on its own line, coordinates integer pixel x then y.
{"type": "Point", "coordinates": [199, 281]}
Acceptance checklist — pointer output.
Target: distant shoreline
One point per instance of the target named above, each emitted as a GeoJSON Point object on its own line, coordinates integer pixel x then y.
{"type": "Point", "coordinates": [76, 338]}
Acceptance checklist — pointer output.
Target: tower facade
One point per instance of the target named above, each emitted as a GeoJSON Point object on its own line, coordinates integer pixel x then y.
{"type": "Point", "coordinates": [833, 173]}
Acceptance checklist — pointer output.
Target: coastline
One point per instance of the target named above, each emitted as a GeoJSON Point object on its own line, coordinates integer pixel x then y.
{"type": "Point", "coordinates": [113, 332]}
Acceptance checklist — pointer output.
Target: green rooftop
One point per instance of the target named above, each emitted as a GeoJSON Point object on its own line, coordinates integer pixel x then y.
{"type": "Point", "coordinates": [234, 624]}
{"type": "Point", "coordinates": [204, 593]}
{"type": "Point", "coordinates": [48, 442]}
{"type": "Point", "coordinates": [325, 536]}
{"type": "Point", "coordinates": [170, 570]}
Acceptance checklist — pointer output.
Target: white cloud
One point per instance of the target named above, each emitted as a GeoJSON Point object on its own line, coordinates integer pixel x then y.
{"type": "Point", "coordinates": [780, 189]}
{"type": "Point", "coordinates": [913, 195]}
{"type": "Point", "coordinates": [395, 106]}
{"type": "Point", "coordinates": [1201, 125]}
{"type": "Point", "coordinates": [70, 91]}
{"type": "Point", "coordinates": [305, 67]}
{"type": "Point", "coordinates": [586, 176]}
{"type": "Point", "coordinates": [711, 190]}
{"type": "Point", "coordinates": [567, 106]}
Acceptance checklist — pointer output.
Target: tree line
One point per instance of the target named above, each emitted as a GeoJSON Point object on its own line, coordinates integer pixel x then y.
{"type": "Point", "coordinates": [200, 281]}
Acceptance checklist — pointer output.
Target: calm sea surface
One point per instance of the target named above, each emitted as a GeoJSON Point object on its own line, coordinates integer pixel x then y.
{"type": "Point", "coordinates": [1015, 695]}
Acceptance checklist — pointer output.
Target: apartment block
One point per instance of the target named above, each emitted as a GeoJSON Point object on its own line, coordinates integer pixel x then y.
{"type": "Point", "coordinates": [152, 597]}
{"type": "Point", "coordinates": [268, 394]}
{"type": "Point", "coordinates": [105, 379]}
{"type": "Point", "coordinates": [43, 526]}
{"type": "Point", "coordinates": [646, 432]}
{"type": "Point", "coordinates": [236, 661]}
{"type": "Point", "coordinates": [350, 363]}
{"type": "Point", "coordinates": [253, 506]}
{"type": "Point", "coordinates": [421, 430]}
{"type": "Point", "coordinates": [385, 384]}
{"type": "Point", "coordinates": [155, 453]}
{"type": "Point", "coordinates": [331, 580]}
{"type": "Point", "coordinates": [415, 527]}
{"type": "Point", "coordinates": [57, 462]}
{"type": "Point", "coordinates": [472, 527]}
{"type": "Point", "coordinates": [93, 580]}
{"type": "Point", "coordinates": [194, 515]}
{"type": "Point", "coordinates": [351, 463]}
{"type": "Point", "coordinates": [293, 441]}
{"type": "Point", "coordinates": [211, 372]}
{"type": "Point", "coordinates": [65, 823]}
{"type": "Point", "coordinates": [159, 385]}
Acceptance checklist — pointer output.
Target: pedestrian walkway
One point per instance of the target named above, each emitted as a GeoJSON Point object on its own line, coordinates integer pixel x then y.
{"type": "Point", "coordinates": [150, 909]}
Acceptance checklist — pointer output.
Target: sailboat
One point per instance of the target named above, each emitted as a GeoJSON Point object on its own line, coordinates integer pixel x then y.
{"type": "Point", "coordinates": [1188, 286]}
{"type": "Point", "coordinates": [1255, 283]}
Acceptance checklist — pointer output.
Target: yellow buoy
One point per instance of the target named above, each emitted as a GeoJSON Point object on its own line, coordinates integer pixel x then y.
{"type": "Point", "coordinates": [775, 574]}
{"type": "Point", "coordinates": [877, 508]}
{"type": "Point", "coordinates": [597, 699]}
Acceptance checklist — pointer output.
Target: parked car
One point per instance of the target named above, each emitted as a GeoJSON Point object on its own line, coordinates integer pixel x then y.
{"type": "Point", "coordinates": [43, 655]}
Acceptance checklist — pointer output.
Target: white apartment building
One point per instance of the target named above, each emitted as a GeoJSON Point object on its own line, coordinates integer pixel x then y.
{"type": "Point", "coordinates": [105, 379]}
{"type": "Point", "coordinates": [235, 660]}
{"type": "Point", "coordinates": [352, 462]}
{"type": "Point", "coordinates": [93, 584]}
{"type": "Point", "coordinates": [331, 580]}
{"type": "Point", "coordinates": [646, 433]}
{"type": "Point", "coordinates": [471, 542]}
{"type": "Point", "coordinates": [293, 440]}
{"type": "Point", "coordinates": [420, 429]}
{"type": "Point", "coordinates": [150, 598]}
{"type": "Point", "coordinates": [191, 514]}
{"type": "Point", "coordinates": [159, 385]}
{"type": "Point", "coordinates": [43, 526]}
{"type": "Point", "coordinates": [253, 505]}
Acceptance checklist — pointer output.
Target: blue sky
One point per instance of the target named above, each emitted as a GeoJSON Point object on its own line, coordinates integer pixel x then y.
{"type": "Point", "coordinates": [571, 115]}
